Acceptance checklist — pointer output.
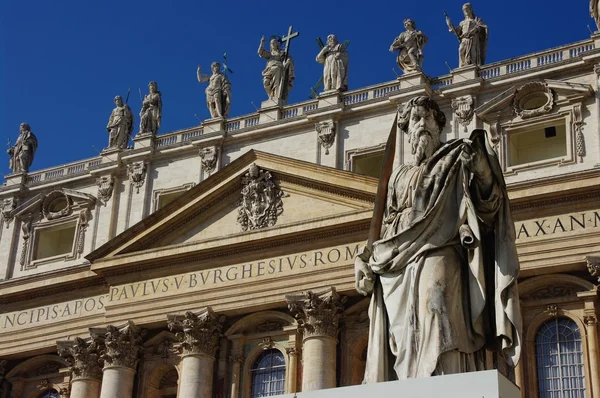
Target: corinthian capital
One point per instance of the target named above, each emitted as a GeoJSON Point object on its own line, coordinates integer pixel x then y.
{"type": "Point", "coordinates": [317, 314]}
{"type": "Point", "coordinates": [198, 333]}
{"type": "Point", "coordinates": [122, 346]}
{"type": "Point", "coordinates": [83, 356]}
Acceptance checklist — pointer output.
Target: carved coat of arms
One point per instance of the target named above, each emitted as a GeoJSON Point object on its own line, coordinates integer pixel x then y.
{"type": "Point", "coordinates": [261, 202]}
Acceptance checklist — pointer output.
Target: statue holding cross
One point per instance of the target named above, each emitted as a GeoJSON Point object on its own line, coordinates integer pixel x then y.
{"type": "Point", "coordinates": [279, 74]}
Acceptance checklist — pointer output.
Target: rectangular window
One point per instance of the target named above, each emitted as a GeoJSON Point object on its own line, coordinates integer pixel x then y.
{"type": "Point", "coordinates": [542, 142]}
{"type": "Point", "coordinates": [55, 241]}
{"type": "Point", "coordinates": [369, 165]}
{"type": "Point", "coordinates": [166, 198]}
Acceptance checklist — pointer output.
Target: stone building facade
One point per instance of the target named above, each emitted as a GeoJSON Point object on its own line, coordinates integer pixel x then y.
{"type": "Point", "coordinates": [218, 260]}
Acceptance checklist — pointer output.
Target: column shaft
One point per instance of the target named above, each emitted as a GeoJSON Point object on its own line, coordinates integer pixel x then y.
{"type": "Point", "coordinates": [319, 363]}
{"type": "Point", "coordinates": [594, 351]}
{"type": "Point", "coordinates": [85, 388]}
{"type": "Point", "coordinates": [117, 382]}
{"type": "Point", "coordinates": [196, 376]}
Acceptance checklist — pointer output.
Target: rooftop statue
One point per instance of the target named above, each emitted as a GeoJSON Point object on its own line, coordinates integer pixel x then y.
{"type": "Point", "coordinates": [595, 12]}
{"type": "Point", "coordinates": [335, 70]}
{"type": "Point", "coordinates": [21, 154]}
{"type": "Point", "coordinates": [151, 112]}
{"type": "Point", "coordinates": [218, 92]}
{"type": "Point", "coordinates": [120, 125]}
{"type": "Point", "coordinates": [279, 73]}
{"type": "Point", "coordinates": [472, 34]}
{"type": "Point", "coordinates": [441, 262]}
{"type": "Point", "coordinates": [410, 47]}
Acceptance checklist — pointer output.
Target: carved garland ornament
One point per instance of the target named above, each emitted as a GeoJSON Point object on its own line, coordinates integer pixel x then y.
{"type": "Point", "coordinates": [137, 174]}
{"type": "Point", "coordinates": [105, 188]}
{"type": "Point", "coordinates": [326, 134]}
{"type": "Point", "coordinates": [463, 110]}
{"type": "Point", "coordinates": [198, 334]}
{"type": "Point", "coordinates": [579, 138]}
{"type": "Point", "coordinates": [83, 357]}
{"type": "Point", "coordinates": [533, 99]}
{"type": "Point", "coordinates": [56, 205]}
{"type": "Point", "coordinates": [261, 200]}
{"type": "Point", "coordinates": [209, 158]}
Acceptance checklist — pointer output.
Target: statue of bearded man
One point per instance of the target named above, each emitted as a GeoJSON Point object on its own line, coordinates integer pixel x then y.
{"type": "Point", "coordinates": [443, 272]}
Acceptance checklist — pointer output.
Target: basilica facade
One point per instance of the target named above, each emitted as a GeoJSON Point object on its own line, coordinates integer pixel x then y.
{"type": "Point", "coordinates": [218, 261]}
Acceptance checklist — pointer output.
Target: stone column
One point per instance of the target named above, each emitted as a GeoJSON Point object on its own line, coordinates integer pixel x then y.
{"type": "Point", "coordinates": [84, 358]}
{"type": "Point", "coordinates": [591, 323]}
{"type": "Point", "coordinates": [199, 335]}
{"type": "Point", "coordinates": [318, 316]}
{"type": "Point", "coordinates": [120, 356]}
{"type": "Point", "coordinates": [236, 358]}
{"type": "Point", "coordinates": [293, 372]}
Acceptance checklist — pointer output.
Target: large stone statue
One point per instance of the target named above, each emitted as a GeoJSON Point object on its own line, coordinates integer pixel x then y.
{"type": "Point", "coordinates": [21, 154]}
{"type": "Point", "coordinates": [218, 92]}
{"type": "Point", "coordinates": [473, 36]}
{"type": "Point", "coordinates": [151, 112]}
{"type": "Point", "coordinates": [595, 12]}
{"type": "Point", "coordinates": [335, 70]}
{"type": "Point", "coordinates": [410, 47]}
{"type": "Point", "coordinates": [120, 125]}
{"type": "Point", "coordinates": [443, 270]}
{"type": "Point", "coordinates": [279, 74]}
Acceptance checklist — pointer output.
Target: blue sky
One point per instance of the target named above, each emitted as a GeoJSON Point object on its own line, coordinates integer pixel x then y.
{"type": "Point", "coordinates": [63, 61]}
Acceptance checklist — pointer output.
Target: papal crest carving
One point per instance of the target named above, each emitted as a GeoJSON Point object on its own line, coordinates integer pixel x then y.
{"type": "Point", "coordinates": [261, 200]}
{"type": "Point", "coordinates": [209, 158]}
{"type": "Point", "coordinates": [463, 110]}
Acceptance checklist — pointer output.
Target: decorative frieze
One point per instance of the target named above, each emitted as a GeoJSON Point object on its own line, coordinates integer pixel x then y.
{"type": "Point", "coordinates": [122, 346]}
{"type": "Point", "coordinates": [83, 356]}
{"type": "Point", "coordinates": [261, 202]}
{"type": "Point", "coordinates": [464, 110]}
{"type": "Point", "coordinates": [317, 314]}
{"type": "Point", "coordinates": [552, 291]}
{"type": "Point", "coordinates": [198, 333]}
{"type": "Point", "coordinates": [136, 172]}
{"type": "Point", "coordinates": [209, 158]}
{"type": "Point", "coordinates": [326, 134]}
{"type": "Point", "coordinates": [105, 188]}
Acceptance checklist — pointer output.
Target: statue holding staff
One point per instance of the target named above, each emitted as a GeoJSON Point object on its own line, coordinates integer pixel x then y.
{"type": "Point", "coordinates": [22, 153]}
{"type": "Point", "coordinates": [472, 34]}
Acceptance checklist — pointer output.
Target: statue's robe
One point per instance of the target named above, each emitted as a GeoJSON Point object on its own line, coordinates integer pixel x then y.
{"type": "Point", "coordinates": [335, 69]}
{"type": "Point", "coordinates": [279, 73]}
{"type": "Point", "coordinates": [120, 126]}
{"type": "Point", "coordinates": [151, 113]}
{"type": "Point", "coordinates": [473, 34]}
{"type": "Point", "coordinates": [23, 152]}
{"type": "Point", "coordinates": [437, 304]}
{"type": "Point", "coordinates": [218, 90]}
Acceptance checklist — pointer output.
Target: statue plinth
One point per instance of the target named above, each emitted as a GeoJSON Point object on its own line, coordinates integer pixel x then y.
{"type": "Point", "coordinates": [15, 179]}
{"type": "Point", "coordinates": [213, 125]}
{"type": "Point", "coordinates": [412, 79]}
{"type": "Point", "coordinates": [145, 141]}
{"type": "Point", "coordinates": [465, 73]}
{"type": "Point", "coordinates": [329, 98]}
{"type": "Point", "coordinates": [110, 155]}
{"type": "Point", "coordinates": [270, 110]}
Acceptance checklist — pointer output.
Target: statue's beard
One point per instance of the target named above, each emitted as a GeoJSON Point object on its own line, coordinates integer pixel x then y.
{"type": "Point", "coordinates": [423, 145]}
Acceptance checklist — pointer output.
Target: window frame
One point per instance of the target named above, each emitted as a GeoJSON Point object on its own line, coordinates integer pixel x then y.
{"type": "Point", "coordinates": [251, 359]}
{"type": "Point", "coordinates": [167, 191]}
{"type": "Point", "coordinates": [354, 154]}
{"type": "Point", "coordinates": [44, 226]}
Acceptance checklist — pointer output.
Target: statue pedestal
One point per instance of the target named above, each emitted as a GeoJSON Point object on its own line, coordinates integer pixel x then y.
{"type": "Point", "coordinates": [412, 79]}
{"type": "Point", "coordinates": [465, 73]}
{"type": "Point", "coordinates": [270, 110]}
{"type": "Point", "coordinates": [213, 125]}
{"type": "Point", "coordinates": [488, 384]}
{"type": "Point", "coordinates": [329, 98]}
{"type": "Point", "coordinates": [110, 155]}
{"type": "Point", "coordinates": [145, 141]}
{"type": "Point", "coordinates": [14, 180]}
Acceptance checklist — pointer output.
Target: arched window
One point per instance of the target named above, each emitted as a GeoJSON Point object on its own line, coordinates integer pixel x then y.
{"type": "Point", "coordinates": [50, 394]}
{"type": "Point", "coordinates": [268, 374]}
{"type": "Point", "coordinates": [559, 359]}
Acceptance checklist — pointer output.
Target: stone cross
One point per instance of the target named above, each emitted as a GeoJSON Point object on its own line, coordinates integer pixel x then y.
{"type": "Point", "coordinates": [288, 39]}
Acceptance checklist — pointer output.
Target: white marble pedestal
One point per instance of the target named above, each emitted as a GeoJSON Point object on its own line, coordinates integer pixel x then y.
{"type": "Point", "coordinates": [487, 384]}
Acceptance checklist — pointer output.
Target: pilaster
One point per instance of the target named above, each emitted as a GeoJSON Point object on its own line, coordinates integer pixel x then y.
{"type": "Point", "coordinates": [318, 317]}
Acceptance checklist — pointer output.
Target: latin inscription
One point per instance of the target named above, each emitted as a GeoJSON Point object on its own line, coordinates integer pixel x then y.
{"type": "Point", "coordinates": [552, 226]}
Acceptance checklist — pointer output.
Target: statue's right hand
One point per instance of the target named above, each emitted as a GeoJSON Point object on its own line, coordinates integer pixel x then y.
{"type": "Point", "coordinates": [363, 275]}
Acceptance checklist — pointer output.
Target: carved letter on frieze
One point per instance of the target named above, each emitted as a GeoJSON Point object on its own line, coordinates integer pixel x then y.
{"type": "Point", "coordinates": [261, 200]}
{"type": "Point", "coordinates": [463, 110]}
{"type": "Point", "coordinates": [198, 333]}
{"type": "Point", "coordinates": [579, 139]}
{"type": "Point", "coordinates": [82, 356]}
{"type": "Point", "coordinates": [105, 188]}
{"type": "Point", "coordinates": [137, 174]}
{"type": "Point", "coordinates": [121, 346]}
{"type": "Point", "coordinates": [326, 134]}
{"type": "Point", "coordinates": [317, 314]}
{"type": "Point", "coordinates": [209, 158]}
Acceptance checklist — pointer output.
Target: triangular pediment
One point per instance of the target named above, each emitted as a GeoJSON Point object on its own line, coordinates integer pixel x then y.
{"type": "Point", "coordinates": [259, 198]}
